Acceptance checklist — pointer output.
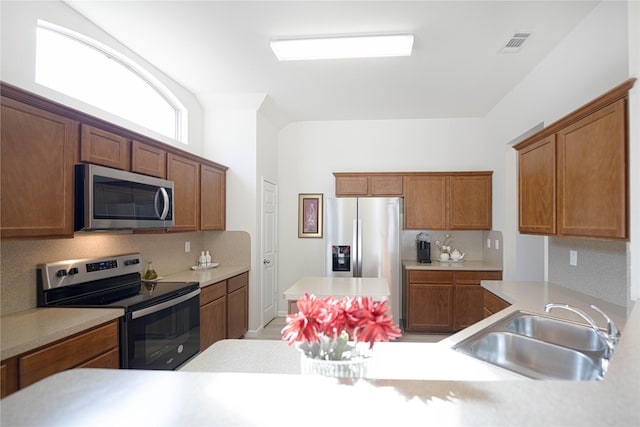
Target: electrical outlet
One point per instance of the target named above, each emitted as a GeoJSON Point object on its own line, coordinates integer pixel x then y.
{"type": "Point", "coordinates": [497, 245]}
{"type": "Point", "coordinates": [187, 247]}
{"type": "Point", "coordinates": [488, 243]}
{"type": "Point", "coordinates": [573, 258]}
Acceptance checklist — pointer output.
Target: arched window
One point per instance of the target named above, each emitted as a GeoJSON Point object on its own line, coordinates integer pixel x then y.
{"type": "Point", "coordinates": [87, 70]}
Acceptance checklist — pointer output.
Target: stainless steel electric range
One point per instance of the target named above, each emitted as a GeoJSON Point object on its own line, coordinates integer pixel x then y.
{"type": "Point", "coordinates": [161, 325]}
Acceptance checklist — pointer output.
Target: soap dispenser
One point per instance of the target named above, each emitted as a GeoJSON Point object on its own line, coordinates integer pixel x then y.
{"type": "Point", "coordinates": [208, 259]}
{"type": "Point", "coordinates": [202, 261]}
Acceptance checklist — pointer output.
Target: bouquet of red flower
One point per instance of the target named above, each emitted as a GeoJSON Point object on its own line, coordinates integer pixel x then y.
{"type": "Point", "coordinates": [331, 328]}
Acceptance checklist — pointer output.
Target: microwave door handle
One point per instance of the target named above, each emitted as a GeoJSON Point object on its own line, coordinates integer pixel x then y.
{"type": "Point", "coordinates": [165, 204]}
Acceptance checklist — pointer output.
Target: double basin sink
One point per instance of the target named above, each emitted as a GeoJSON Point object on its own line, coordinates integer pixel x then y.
{"type": "Point", "coordinates": [539, 347]}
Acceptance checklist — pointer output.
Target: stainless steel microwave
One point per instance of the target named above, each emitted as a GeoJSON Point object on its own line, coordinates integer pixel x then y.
{"type": "Point", "coordinates": [112, 199]}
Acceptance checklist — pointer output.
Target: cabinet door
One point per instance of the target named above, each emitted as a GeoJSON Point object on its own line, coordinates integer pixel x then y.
{"type": "Point", "coordinates": [38, 156]}
{"type": "Point", "coordinates": [425, 202]}
{"type": "Point", "coordinates": [592, 175]}
{"type": "Point", "coordinates": [9, 377]}
{"type": "Point", "coordinates": [350, 186]}
{"type": "Point", "coordinates": [430, 307]}
{"type": "Point", "coordinates": [492, 303]}
{"type": "Point", "coordinates": [238, 312]}
{"type": "Point", "coordinates": [537, 187]}
{"type": "Point", "coordinates": [105, 148]}
{"type": "Point", "coordinates": [386, 185]}
{"type": "Point", "coordinates": [213, 198]}
{"type": "Point", "coordinates": [213, 322]}
{"type": "Point", "coordinates": [185, 175]}
{"type": "Point", "coordinates": [470, 202]}
{"type": "Point", "coordinates": [469, 296]}
{"type": "Point", "coordinates": [148, 160]}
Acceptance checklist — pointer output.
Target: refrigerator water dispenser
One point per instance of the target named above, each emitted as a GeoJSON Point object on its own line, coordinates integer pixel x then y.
{"type": "Point", "coordinates": [341, 257]}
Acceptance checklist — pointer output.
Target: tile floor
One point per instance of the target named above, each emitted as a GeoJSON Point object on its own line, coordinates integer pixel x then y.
{"type": "Point", "coordinates": [272, 332]}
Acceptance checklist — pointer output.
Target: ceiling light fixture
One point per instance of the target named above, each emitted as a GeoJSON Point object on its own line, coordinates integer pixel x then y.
{"type": "Point", "coordinates": [364, 46]}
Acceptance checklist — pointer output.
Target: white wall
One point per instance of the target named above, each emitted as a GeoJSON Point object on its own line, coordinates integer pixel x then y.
{"type": "Point", "coordinates": [18, 37]}
{"type": "Point", "coordinates": [309, 152]}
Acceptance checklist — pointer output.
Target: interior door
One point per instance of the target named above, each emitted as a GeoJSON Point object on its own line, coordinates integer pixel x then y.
{"type": "Point", "coordinates": [269, 250]}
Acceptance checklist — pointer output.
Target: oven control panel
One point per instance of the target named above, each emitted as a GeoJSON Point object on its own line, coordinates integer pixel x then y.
{"type": "Point", "coordinates": [65, 273]}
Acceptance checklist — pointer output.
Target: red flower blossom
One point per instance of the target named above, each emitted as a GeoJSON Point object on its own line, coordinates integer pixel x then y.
{"type": "Point", "coordinates": [361, 318]}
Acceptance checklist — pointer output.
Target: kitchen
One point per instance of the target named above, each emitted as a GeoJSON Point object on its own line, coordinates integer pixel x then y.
{"type": "Point", "coordinates": [427, 143]}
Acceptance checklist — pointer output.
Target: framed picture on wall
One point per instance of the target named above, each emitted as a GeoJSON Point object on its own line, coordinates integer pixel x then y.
{"type": "Point", "coordinates": [309, 215]}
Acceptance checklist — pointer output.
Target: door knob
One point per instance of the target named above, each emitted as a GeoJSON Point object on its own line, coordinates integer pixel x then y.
{"type": "Point", "coordinates": [266, 261]}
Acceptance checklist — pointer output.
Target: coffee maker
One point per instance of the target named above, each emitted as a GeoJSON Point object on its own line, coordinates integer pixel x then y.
{"type": "Point", "coordinates": [424, 248]}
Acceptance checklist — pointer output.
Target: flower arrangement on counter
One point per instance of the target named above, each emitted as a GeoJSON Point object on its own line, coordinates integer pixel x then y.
{"type": "Point", "coordinates": [445, 245]}
{"type": "Point", "coordinates": [331, 329]}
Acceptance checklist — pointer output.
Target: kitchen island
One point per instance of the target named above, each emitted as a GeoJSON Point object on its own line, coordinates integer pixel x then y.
{"type": "Point", "coordinates": [374, 287]}
{"type": "Point", "coordinates": [222, 387]}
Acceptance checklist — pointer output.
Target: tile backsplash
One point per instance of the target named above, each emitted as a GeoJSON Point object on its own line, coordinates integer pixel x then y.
{"type": "Point", "coordinates": [18, 259]}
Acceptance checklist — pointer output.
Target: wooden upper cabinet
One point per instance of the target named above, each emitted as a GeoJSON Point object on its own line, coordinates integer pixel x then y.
{"type": "Point", "coordinates": [386, 185]}
{"type": "Point", "coordinates": [185, 174]}
{"type": "Point", "coordinates": [470, 202]}
{"type": "Point", "coordinates": [448, 201]}
{"type": "Point", "coordinates": [38, 156]}
{"type": "Point", "coordinates": [148, 160]}
{"type": "Point", "coordinates": [592, 175]}
{"type": "Point", "coordinates": [105, 148]}
{"type": "Point", "coordinates": [537, 187]}
{"type": "Point", "coordinates": [213, 198]}
{"type": "Point", "coordinates": [368, 184]}
{"type": "Point", "coordinates": [573, 174]}
{"type": "Point", "coordinates": [425, 202]}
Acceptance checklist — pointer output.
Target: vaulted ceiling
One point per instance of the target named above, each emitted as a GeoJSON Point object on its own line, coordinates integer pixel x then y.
{"type": "Point", "coordinates": [458, 68]}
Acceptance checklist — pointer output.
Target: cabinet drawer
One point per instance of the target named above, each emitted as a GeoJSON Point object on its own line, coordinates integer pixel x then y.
{"type": "Point", "coordinates": [213, 292]}
{"type": "Point", "coordinates": [237, 282]}
{"type": "Point", "coordinates": [109, 360]}
{"type": "Point", "coordinates": [438, 276]}
{"type": "Point", "coordinates": [67, 354]}
{"type": "Point", "coordinates": [474, 277]}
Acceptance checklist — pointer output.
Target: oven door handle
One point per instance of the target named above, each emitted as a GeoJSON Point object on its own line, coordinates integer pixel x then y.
{"type": "Point", "coordinates": [163, 305]}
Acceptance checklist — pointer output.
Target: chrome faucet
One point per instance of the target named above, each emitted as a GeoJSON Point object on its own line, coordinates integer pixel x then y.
{"type": "Point", "coordinates": [611, 337]}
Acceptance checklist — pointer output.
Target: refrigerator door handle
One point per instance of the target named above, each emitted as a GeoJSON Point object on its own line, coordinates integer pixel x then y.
{"type": "Point", "coordinates": [357, 239]}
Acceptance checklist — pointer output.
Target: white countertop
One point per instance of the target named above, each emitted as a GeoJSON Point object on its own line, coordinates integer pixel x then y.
{"type": "Point", "coordinates": [377, 288]}
{"type": "Point", "coordinates": [454, 266]}
{"type": "Point", "coordinates": [27, 330]}
{"type": "Point", "coordinates": [207, 277]}
{"type": "Point", "coordinates": [161, 398]}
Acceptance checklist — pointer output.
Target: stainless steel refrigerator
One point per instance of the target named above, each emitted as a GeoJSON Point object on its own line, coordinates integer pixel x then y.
{"type": "Point", "coordinates": [362, 237]}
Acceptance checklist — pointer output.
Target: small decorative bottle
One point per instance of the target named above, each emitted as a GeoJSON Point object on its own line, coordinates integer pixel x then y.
{"type": "Point", "coordinates": [208, 259]}
{"type": "Point", "coordinates": [202, 261]}
{"type": "Point", "coordinates": [150, 274]}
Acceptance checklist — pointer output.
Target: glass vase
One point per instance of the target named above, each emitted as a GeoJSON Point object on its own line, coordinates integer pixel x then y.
{"type": "Point", "coordinates": [351, 368]}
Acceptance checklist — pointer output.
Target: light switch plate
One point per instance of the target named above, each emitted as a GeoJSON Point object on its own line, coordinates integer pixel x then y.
{"type": "Point", "coordinates": [187, 247]}
{"type": "Point", "coordinates": [497, 245]}
{"type": "Point", "coordinates": [573, 258]}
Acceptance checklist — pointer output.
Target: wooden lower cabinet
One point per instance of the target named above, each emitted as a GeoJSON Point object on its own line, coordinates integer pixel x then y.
{"type": "Point", "coordinates": [96, 348]}
{"type": "Point", "coordinates": [492, 303]}
{"type": "Point", "coordinates": [238, 305]}
{"type": "Point", "coordinates": [429, 300]}
{"type": "Point", "coordinates": [444, 300]}
{"type": "Point", "coordinates": [469, 296]}
{"type": "Point", "coordinates": [213, 314]}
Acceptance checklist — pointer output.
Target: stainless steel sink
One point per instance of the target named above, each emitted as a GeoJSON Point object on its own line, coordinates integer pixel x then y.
{"type": "Point", "coordinates": [533, 358]}
{"type": "Point", "coordinates": [557, 332]}
{"type": "Point", "coordinates": [540, 347]}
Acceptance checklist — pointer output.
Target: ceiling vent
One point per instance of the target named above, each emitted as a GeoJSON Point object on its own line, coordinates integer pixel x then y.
{"type": "Point", "coordinates": [516, 41]}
